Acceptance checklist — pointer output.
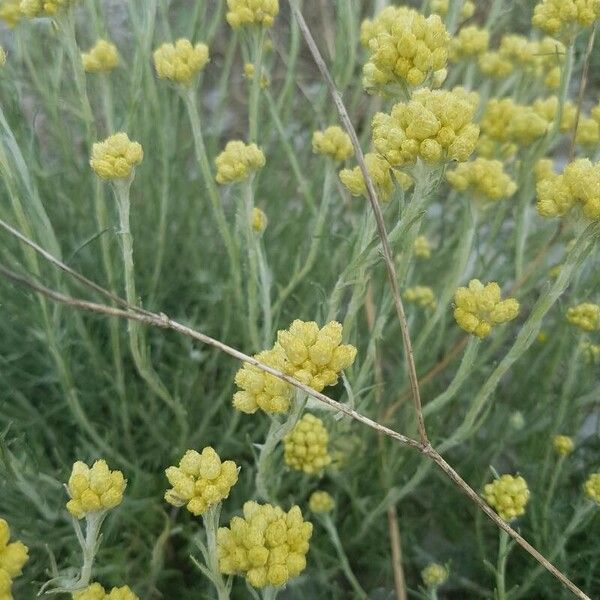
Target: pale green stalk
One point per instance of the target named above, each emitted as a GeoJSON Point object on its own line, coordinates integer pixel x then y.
{"type": "Point", "coordinates": [252, 275]}
{"type": "Point", "coordinates": [254, 104]}
{"type": "Point", "coordinates": [211, 525]}
{"type": "Point", "coordinates": [343, 558]}
{"type": "Point", "coordinates": [503, 552]}
{"type": "Point", "coordinates": [550, 495]}
{"type": "Point", "coordinates": [89, 547]}
{"type": "Point", "coordinates": [277, 431]}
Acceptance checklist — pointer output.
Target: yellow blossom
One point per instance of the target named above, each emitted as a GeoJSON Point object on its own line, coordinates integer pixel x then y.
{"type": "Point", "coordinates": [249, 74]}
{"type": "Point", "coordinates": [478, 308]}
{"type": "Point", "coordinates": [200, 480]}
{"type": "Point", "coordinates": [484, 178]}
{"type": "Point", "coordinates": [379, 172]}
{"type": "Point", "coordinates": [244, 13]}
{"type": "Point", "coordinates": [592, 487]}
{"type": "Point", "coordinates": [321, 502]}
{"type": "Point", "coordinates": [116, 157]}
{"type": "Point", "coordinates": [469, 43]}
{"type": "Point", "coordinates": [441, 8]}
{"type": "Point", "coordinates": [422, 247]}
{"type": "Point", "coordinates": [259, 220]}
{"type": "Point", "coordinates": [267, 546]}
{"type": "Point", "coordinates": [180, 62]}
{"type": "Point", "coordinates": [508, 496]}
{"type": "Point", "coordinates": [547, 108]}
{"type": "Point", "coordinates": [13, 556]}
{"type": "Point", "coordinates": [238, 161]}
{"type": "Point", "coordinates": [494, 65]}
{"type": "Point", "coordinates": [586, 316]}
{"type": "Point", "coordinates": [591, 352]}
{"type": "Point", "coordinates": [562, 19]}
{"type": "Point", "coordinates": [435, 125]}
{"type": "Point", "coordinates": [45, 8]}
{"type": "Point", "coordinates": [315, 356]}
{"type": "Point", "coordinates": [434, 575]}
{"type": "Point", "coordinates": [403, 46]}
{"type": "Point", "coordinates": [563, 444]}
{"type": "Point", "coordinates": [305, 447]}
{"type": "Point", "coordinates": [519, 51]}
{"type": "Point", "coordinates": [94, 489]}
{"type": "Point", "coordinates": [101, 58]}
{"type": "Point", "coordinates": [96, 592]}
{"type": "Point", "coordinates": [10, 12]}
{"type": "Point", "coordinates": [333, 142]}
{"type": "Point", "coordinates": [421, 295]}
{"type": "Point", "coordinates": [588, 132]}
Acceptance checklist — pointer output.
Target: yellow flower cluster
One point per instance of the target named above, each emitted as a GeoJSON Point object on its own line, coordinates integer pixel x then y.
{"type": "Point", "coordinates": [421, 295]}
{"type": "Point", "coordinates": [101, 58]}
{"type": "Point", "coordinates": [238, 161]}
{"type": "Point", "coordinates": [579, 183]}
{"type": "Point", "coordinates": [592, 487]}
{"type": "Point", "coordinates": [484, 178]}
{"type": "Point", "coordinates": [506, 121]}
{"type": "Point", "coordinates": [305, 447]}
{"type": "Point", "coordinates": [435, 125]}
{"type": "Point", "coordinates": [403, 47]}
{"type": "Point", "coordinates": [478, 308]}
{"type": "Point", "coordinates": [441, 8]}
{"type": "Point", "coordinates": [268, 546]}
{"type": "Point", "coordinates": [590, 351]}
{"type": "Point", "coordinates": [260, 389]}
{"type": "Point", "coordinates": [550, 57]}
{"type": "Point", "coordinates": [508, 496]}
{"type": "Point", "coordinates": [379, 172]}
{"type": "Point", "coordinates": [493, 64]}
{"type": "Point", "coordinates": [564, 18]}
{"type": "Point", "coordinates": [180, 62]}
{"type": "Point", "coordinates": [434, 575]}
{"type": "Point", "coordinates": [200, 480]}
{"type": "Point", "coordinates": [586, 316]}
{"type": "Point", "coordinates": [243, 13]}
{"type": "Point", "coordinates": [10, 12]}
{"type": "Point", "coordinates": [315, 356]}
{"type": "Point", "coordinates": [588, 132]}
{"type": "Point", "coordinates": [333, 142]}
{"type": "Point", "coordinates": [563, 444]}
{"type": "Point", "coordinates": [259, 220]}
{"type": "Point", "coordinates": [547, 107]}
{"type": "Point", "coordinates": [44, 8]}
{"type": "Point", "coordinates": [321, 502]}
{"type": "Point", "coordinates": [94, 489]}
{"type": "Point", "coordinates": [422, 247]}
{"type": "Point", "coordinates": [12, 558]}
{"type": "Point", "coordinates": [249, 75]}
{"type": "Point", "coordinates": [96, 592]}
{"type": "Point", "coordinates": [520, 51]}
{"type": "Point", "coordinates": [116, 157]}
{"type": "Point", "coordinates": [470, 42]}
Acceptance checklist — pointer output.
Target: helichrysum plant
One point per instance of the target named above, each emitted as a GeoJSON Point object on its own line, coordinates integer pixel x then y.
{"type": "Point", "coordinates": [238, 161]}
{"type": "Point", "coordinates": [180, 62]}
{"type": "Point", "coordinates": [200, 481]}
{"type": "Point", "coordinates": [508, 496]}
{"type": "Point", "coordinates": [13, 556]}
{"type": "Point", "coordinates": [305, 447]}
{"type": "Point", "coordinates": [103, 57]}
{"type": "Point", "coordinates": [116, 157]}
{"type": "Point", "coordinates": [268, 546]}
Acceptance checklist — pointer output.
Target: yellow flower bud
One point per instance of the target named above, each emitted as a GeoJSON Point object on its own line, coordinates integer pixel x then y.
{"type": "Point", "coordinates": [116, 157]}
{"type": "Point", "coordinates": [333, 142]}
{"type": "Point", "coordinates": [305, 447]}
{"type": "Point", "coordinates": [238, 161]}
{"type": "Point", "coordinates": [321, 502]}
{"type": "Point", "coordinates": [592, 487]}
{"type": "Point", "coordinates": [10, 12]}
{"type": "Point", "coordinates": [101, 58]}
{"type": "Point", "coordinates": [563, 19]}
{"type": "Point", "coordinates": [180, 62]}
{"type": "Point", "coordinates": [422, 296]}
{"type": "Point", "coordinates": [563, 444]}
{"type": "Point", "coordinates": [422, 247]}
{"type": "Point", "coordinates": [243, 13]}
{"type": "Point", "coordinates": [45, 8]}
{"type": "Point", "coordinates": [484, 178]}
{"type": "Point", "coordinates": [259, 220]}
{"type": "Point", "coordinates": [507, 496]}
{"type": "Point", "coordinates": [586, 316]}
{"type": "Point", "coordinates": [434, 575]}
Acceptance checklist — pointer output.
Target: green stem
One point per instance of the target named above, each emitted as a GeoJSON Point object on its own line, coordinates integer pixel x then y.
{"type": "Point", "coordinates": [503, 552]}
{"type": "Point", "coordinates": [89, 547]}
{"type": "Point", "coordinates": [253, 109]}
{"type": "Point", "coordinates": [189, 98]}
{"type": "Point", "coordinates": [211, 525]}
{"type": "Point", "coordinates": [550, 494]}
{"type": "Point", "coordinates": [252, 278]}
{"type": "Point", "coordinates": [343, 558]}
{"type": "Point", "coordinates": [277, 431]}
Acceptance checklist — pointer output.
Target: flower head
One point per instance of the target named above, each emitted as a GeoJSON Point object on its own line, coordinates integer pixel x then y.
{"type": "Point", "coordinates": [586, 316]}
{"type": "Point", "coordinates": [422, 247]}
{"type": "Point", "coordinates": [507, 496]}
{"type": "Point", "coordinates": [267, 546]}
{"type": "Point", "coordinates": [592, 487]}
{"type": "Point", "coordinates": [10, 12]}
{"type": "Point", "coordinates": [421, 295]}
{"type": "Point", "coordinates": [13, 555]}
{"type": "Point", "coordinates": [238, 161]}
{"type": "Point", "coordinates": [180, 62]}
{"type": "Point", "coordinates": [484, 178]}
{"type": "Point", "coordinates": [315, 356]}
{"type": "Point", "coordinates": [260, 13]}
{"type": "Point", "coordinates": [333, 142]}
{"type": "Point", "coordinates": [44, 8]}
{"type": "Point", "coordinates": [591, 352]}
{"type": "Point", "coordinates": [494, 65]}
{"type": "Point", "coordinates": [403, 47]}
{"type": "Point", "coordinates": [94, 489]}
{"type": "Point", "coordinates": [261, 390]}
{"type": "Point", "coordinates": [259, 220]}
{"type": "Point", "coordinates": [434, 575]}
{"type": "Point", "coordinates": [435, 125]}
{"type": "Point", "coordinates": [379, 172]}
{"type": "Point", "coordinates": [96, 592]}
{"type": "Point", "coordinates": [321, 502]}
{"type": "Point", "coordinates": [469, 43]}
{"type": "Point", "coordinates": [478, 308]}
{"type": "Point", "coordinates": [563, 444]}
{"type": "Point", "coordinates": [564, 18]}
{"type": "Point", "coordinates": [200, 481]}
{"type": "Point", "coordinates": [116, 157]}
{"type": "Point", "coordinates": [305, 447]}
{"type": "Point", "coordinates": [441, 8]}
{"type": "Point", "coordinates": [101, 58]}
